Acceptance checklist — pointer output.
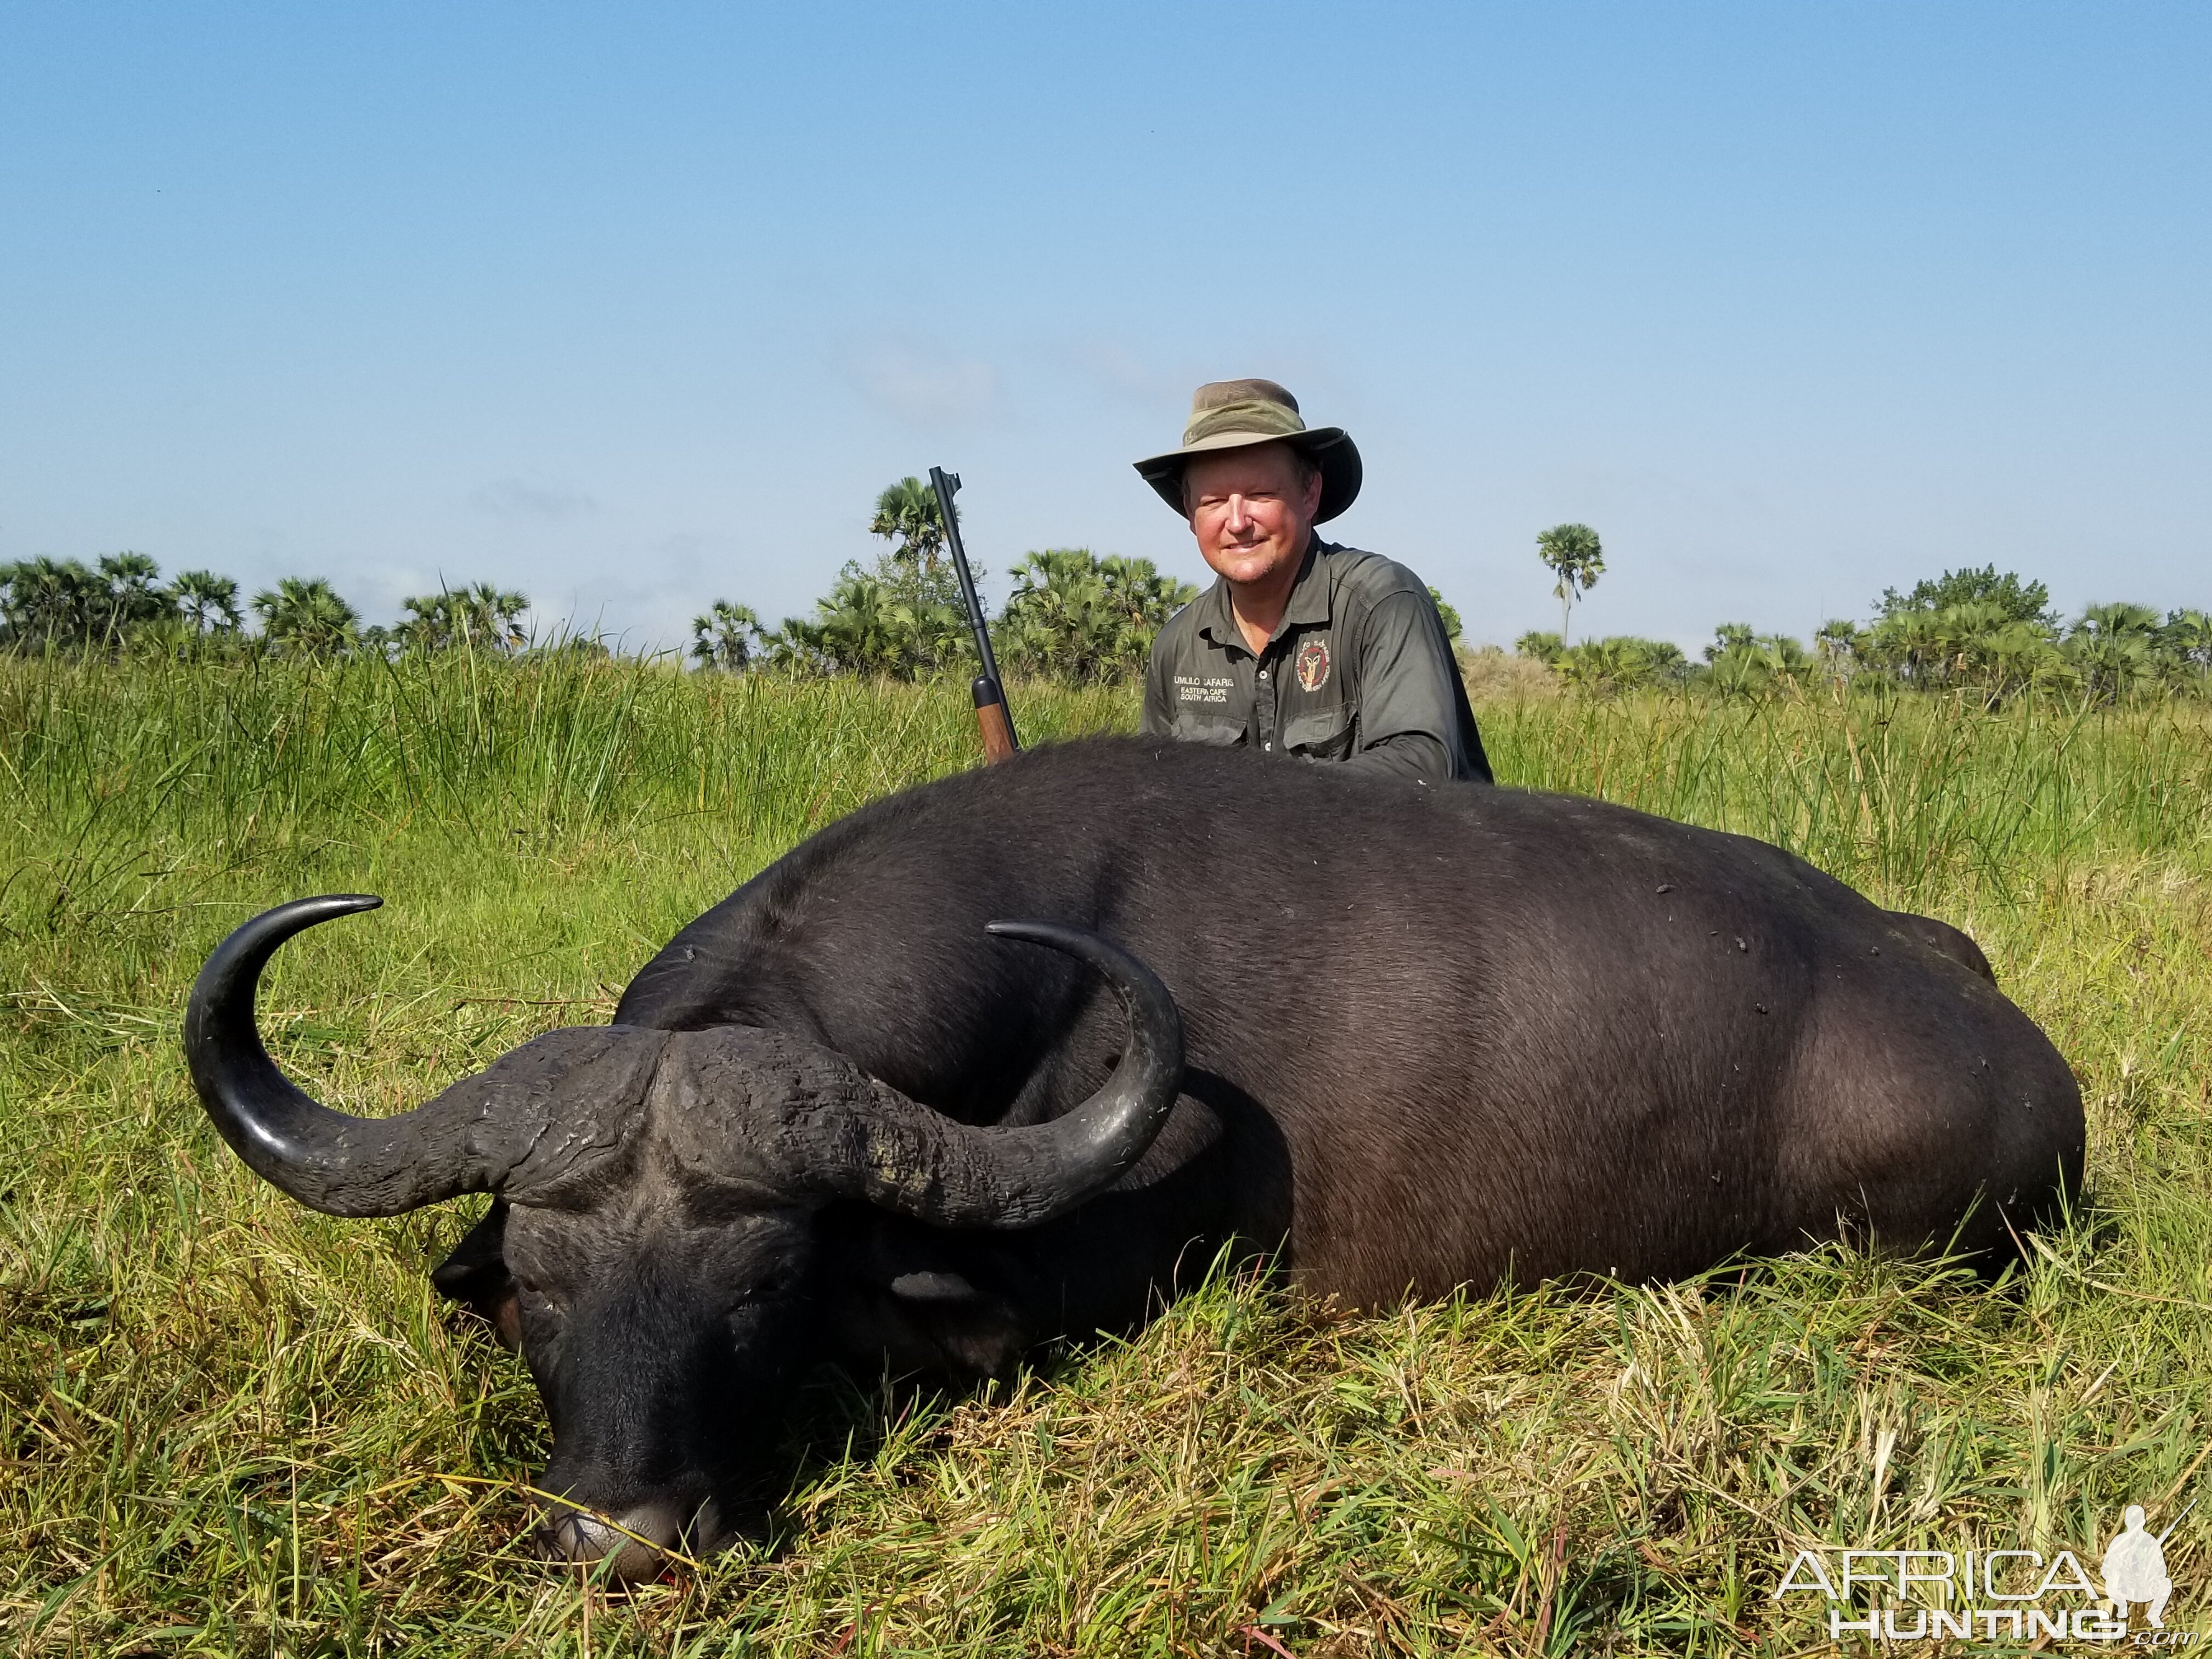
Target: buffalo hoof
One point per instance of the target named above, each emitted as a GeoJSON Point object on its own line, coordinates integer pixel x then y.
{"type": "Point", "coordinates": [645, 1541]}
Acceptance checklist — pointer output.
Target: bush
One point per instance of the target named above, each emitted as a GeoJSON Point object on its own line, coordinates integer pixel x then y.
{"type": "Point", "coordinates": [1623, 662]}
{"type": "Point", "coordinates": [1543, 647]}
{"type": "Point", "coordinates": [1077, 617]}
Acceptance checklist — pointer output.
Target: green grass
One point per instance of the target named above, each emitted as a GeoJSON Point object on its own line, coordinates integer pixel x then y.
{"type": "Point", "coordinates": [228, 1425]}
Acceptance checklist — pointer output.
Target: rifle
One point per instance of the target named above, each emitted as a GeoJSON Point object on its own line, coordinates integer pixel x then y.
{"type": "Point", "coordinates": [2176, 1522]}
{"type": "Point", "coordinates": [993, 719]}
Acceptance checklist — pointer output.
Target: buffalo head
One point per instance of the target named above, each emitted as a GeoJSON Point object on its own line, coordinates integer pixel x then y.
{"type": "Point", "coordinates": [660, 1189]}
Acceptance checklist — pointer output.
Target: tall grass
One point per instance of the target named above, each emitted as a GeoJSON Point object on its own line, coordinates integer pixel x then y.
{"type": "Point", "coordinates": [242, 759]}
{"type": "Point", "coordinates": [1913, 792]}
{"type": "Point", "coordinates": [228, 1425]}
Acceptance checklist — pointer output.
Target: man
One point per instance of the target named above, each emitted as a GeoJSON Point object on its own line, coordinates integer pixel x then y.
{"type": "Point", "coordinates": [1302, 648]}
{"type": "Point", "coordinates": [2135, 1571]}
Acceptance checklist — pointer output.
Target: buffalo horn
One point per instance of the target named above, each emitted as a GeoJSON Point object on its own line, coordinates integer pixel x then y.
{"type": "Point", "coordinates": [466, 1140]}
{"type": "Point", "coordinates": [907, 1157]}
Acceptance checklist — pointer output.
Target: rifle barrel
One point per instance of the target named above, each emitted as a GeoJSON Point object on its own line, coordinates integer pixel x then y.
{"type": "Point", "coordinates": [990, 690]}
{"type": "Point", "coordinates": [2177, 1520]}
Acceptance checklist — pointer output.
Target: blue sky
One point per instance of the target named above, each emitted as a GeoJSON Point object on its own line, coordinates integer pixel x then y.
{"type": "Point", "coordinates": [633, 307]}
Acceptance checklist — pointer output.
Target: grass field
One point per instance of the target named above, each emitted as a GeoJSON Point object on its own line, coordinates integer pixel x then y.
{"type": "Point", "coordinates": [228, 1425]}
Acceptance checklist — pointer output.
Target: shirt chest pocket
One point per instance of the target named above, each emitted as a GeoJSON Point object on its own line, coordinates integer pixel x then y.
{"type": "Point", "coordinates": [1193, 726]}
{"type": "Point", "coordinates": [1324, 734]}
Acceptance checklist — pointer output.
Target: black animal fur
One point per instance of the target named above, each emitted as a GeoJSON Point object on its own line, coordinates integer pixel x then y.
{"type": "Point", "coordinates": [1435, 1038]}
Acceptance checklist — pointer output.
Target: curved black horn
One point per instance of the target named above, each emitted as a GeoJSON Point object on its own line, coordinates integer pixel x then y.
{"type": "Point", "coordinates": [919, 1162]}
{"type": "Point", "coordinates": [464, 1142]}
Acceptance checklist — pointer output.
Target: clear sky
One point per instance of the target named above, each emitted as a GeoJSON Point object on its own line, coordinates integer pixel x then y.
{"type": "Point", "coordinates": [636, 307]}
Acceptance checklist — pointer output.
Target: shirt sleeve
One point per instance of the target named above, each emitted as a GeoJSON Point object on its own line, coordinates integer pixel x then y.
{"type": "Point", "coordinates": [1159, 718]}
{"type": "Point", "coordinates": [1408, 715]}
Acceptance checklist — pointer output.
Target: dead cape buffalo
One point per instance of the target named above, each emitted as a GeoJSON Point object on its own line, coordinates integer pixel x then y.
{"type": "Point", "coordinates": [1411, 1038]}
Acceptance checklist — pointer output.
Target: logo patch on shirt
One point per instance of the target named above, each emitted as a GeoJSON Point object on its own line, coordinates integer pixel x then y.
{"type": "Point", "coordinates": [1203, 688]}
{"type": "Point", "coordinates": [1312, 665]}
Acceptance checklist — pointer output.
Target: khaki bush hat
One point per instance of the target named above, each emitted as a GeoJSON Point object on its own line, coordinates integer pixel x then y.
{"type": "Point", "coordinates": [1238, 414]}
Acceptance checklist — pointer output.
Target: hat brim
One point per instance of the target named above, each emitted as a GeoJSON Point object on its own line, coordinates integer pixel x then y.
{"type": "Point", "coordinates": [1328, 447]}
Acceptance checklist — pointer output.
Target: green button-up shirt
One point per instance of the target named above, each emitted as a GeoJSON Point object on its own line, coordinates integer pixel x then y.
{"type": "Point", "coordinates": [1358, 671]}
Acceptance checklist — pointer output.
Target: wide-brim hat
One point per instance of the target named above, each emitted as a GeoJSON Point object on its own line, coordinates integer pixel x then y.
{"type": "Point", "coordinates": [1239, 414]}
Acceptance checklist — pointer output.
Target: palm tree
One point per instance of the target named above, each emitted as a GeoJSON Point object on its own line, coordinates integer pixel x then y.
{"type": "Point", "coordinates": [133, 596]}
{"type": "Point", "coordinates": [1081, 618]}
{"type": "Point", "coordinates": [305, 617]}
{"type": "Point", "coordinates": [1665, 661]}
{"type": "Point", "coordinates": [726, 637]}
{"type": "Point", "coordinates": [1730, 637]}
{"type": "Point", "coordinates": [50, 602]}
{"type": "Point", "coordinates": [493, 616]}
{"type": "Point", "coordinates": [1754, 664]}
{"type": "Point", "coordinates": [2015, 657]}
{"type": "Point", "coordinates": [1144, 598]}
{"type": "Point", "coordinates": [1840, 644]}
{"type": "Point", "coordinates": [1610, 664]}
{"type": "Point", "coordinates": [2111, 646]}
{"type": "Point", "coordinates": [863, 630]}
{"type": "Point", "coordinates": [2184, 640]}
{"type": "Point", "coordinates": [907, 514]}
{"type": "Point", "coordinates": [1573, 554]}
{"type": "Point", "coordinates": [1910, 644]}
{"type": "Point", "coordinates": [479, 617]}
{"type": "Point", "coordinates": [427, 622]}
{"type": "Point", "coordinates": [1963, 633]}
{"type": "Point", "coordinates": [1545, 647]}
{"type": "Point", "coordinates": [1058, 621]}
{"type": "Point", "coordinates": [2110, 664]}
{"type": "Point", "coordinates": [207, 601]}
{"type": "Point", "coordinates": [2117, 621]}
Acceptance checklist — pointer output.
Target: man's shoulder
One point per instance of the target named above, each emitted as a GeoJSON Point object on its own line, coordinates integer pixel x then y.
{"type": "Point", "coordinates": [1179, 633]}
{"type": "Point", "coordinates": [1367, 578]}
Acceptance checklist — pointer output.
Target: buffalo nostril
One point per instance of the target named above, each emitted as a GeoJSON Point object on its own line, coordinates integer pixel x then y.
{"type": "Point", "coordinates": [579, 1536]}
{"type": "Point", "coordinates": [631, 1547]}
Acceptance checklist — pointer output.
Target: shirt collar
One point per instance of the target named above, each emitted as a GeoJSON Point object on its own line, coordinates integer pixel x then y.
{"type": "Point", "coordinates": [1310, 594]}
{"type": "Point", "coordinates": [1309, 602]}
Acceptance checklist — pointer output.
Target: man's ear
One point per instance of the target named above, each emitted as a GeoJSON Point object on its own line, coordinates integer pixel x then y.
{"type": "Point", "coordinates": [1315, 484]}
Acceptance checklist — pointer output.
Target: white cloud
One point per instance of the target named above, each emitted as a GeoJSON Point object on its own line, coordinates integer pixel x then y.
{"type": "Point", "coordinates": [1123, 375]}
{"type": "Point", "coordinates": [924, 386]}
{"type": "Point", "coordinates": [520, 498]}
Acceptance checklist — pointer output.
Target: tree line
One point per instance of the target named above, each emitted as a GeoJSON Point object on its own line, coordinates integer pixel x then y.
{"type": "Point", "coordinates": [121, 603]}
{"type": "Point", "coordinates": [1984, 632]}
{"type": "Point", "coordinates": [1075, 615]}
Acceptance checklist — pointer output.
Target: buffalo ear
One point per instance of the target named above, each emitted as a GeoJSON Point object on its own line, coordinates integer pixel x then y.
{"type": "Point", "coordinates": [946, 1290]}
{"type": "Point", "coordinates": [957, 1329]}
{"type": "Point", "coordinates": [476, 1276]}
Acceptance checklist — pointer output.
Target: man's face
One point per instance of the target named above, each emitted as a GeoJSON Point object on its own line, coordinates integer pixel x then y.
{"type": "Point", "coordinates": [1250, 510]}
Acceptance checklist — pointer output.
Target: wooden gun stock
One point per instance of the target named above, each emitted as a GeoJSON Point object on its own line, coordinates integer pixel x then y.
{"type": "Point", "coordinates": [993, 721]}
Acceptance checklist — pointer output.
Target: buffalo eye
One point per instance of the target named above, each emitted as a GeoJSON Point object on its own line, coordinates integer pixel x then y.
{"type": "Point", "coordinates": [752, 1295]}
{"type": "Point", "coordinates": [535, 1295]}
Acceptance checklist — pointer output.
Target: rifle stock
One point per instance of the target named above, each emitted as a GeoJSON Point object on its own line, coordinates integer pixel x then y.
{"type": "Point", "coordinates": [994, 721]}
